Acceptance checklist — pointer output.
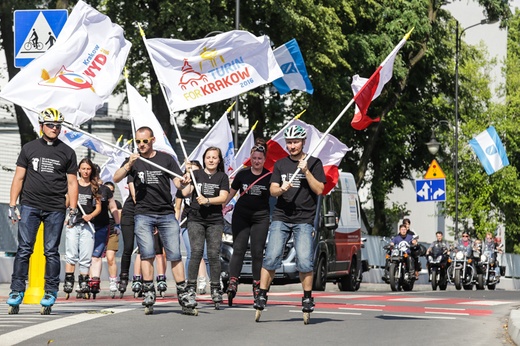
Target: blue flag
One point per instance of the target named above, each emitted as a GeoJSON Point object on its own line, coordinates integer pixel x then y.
{"type": "Point", "coordinates": [490, 151]}
{"type": "Point", "coordinates": [295, 76]}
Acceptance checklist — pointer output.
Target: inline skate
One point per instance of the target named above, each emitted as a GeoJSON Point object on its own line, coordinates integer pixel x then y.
{"type": "Point", "coordinates": [307, 308]}
{"type": "Point", "coordinates": [68, 284]}
{"type": "Point", "coordinates": [14, 301]}
{"type": "Point", "coordinates": [259, 305]}
{"type": "Point", "coordinates": [216, 295]}
{"type": "Point", "coordinates": [113, 287]}
{"type": "Point", "coordinates": [123, 284]}
{"type": "Point", "coordinates": [137, 286]}
{"type": "Point", "coordinates": [83, 290]}
{"type": "Point", "coordinates": [94, 284]}
{"type": "Point", "coordinates": [256, 289]}
{"type": "Point", "coordinates": [161, 284]}
{"type": "Point", "coordinates": [186, 296]}
{"type": "Point", "coordinates": [148, 297]}
{"type": "Point", "coordinates": [201, 285]}
{"type": "Point", "coordinates": [232, 290]}
{"type": "Point", "coordinates": [48, 300]}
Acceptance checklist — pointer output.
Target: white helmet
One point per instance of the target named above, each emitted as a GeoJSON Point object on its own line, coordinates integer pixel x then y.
{"type": "Point", "coordinates": [295, 132]}
{"type": "Point", "coordinates": [50, 115]}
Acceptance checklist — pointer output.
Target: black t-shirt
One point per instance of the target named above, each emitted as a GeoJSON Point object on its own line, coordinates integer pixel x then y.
{"type": "Point", "coordinates": [257, 197]}
{"type": "Point", "coordinates": [186, 201]}
{"type": "Point", "coordinates": [152, 185]}
{"type": "Point", "coordinates": [103, 219]}
{"type": "Point", "coordinates": [86, 200]}
{"type": "Point", "coordinates": [45, 183]}
{"type": "Point", "coordinates": [128, 207]}
{"type": "Point", "coordinates": [210, 186]}
{"type": "Point", "coordinates": [298, 204]}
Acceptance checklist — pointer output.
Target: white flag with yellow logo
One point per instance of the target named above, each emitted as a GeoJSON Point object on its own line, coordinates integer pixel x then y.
{"type": "Point", "coordinates": [78, 73]}
{"type": "Point", "coordinates": [212, 69]}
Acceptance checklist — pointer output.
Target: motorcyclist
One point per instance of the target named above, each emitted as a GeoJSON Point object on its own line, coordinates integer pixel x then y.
{"type": "Point", "coordinates": [465, 244]}
{"type": "Point", "coordinates": [438, 247]}
{"type": "Point", "coordinates": [417, 250]}
{"type": "Point", "coordinates": [403, 236]}
{"type": "Point", "coordinates": [489, 244]}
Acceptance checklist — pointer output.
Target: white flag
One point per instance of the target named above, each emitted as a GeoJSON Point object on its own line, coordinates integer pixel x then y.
{"type": "Point", "coordinates": [142, 115]}
{"type": "Point", "coordinates": [245, 150]}
{"type": "Point", "coordinates": [490, 150]}
{"type": "Point", "coordinates": [212, 69]}
{"type": "Point", "coordinates": [78, 73]}
{"type": "Point", "coordinates": [219, 136]}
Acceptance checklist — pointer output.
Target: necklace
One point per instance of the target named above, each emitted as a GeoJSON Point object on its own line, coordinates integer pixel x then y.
{"type": "Point", "coordinates": [208, 173]}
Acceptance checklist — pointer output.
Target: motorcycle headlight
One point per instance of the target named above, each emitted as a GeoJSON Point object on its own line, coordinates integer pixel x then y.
{"type": "Point", "coordinates": [395, 252]}
{"type": "Point", "coordinates": [459, 256]}
{"type": "Point", "coordinates": [483, 258]}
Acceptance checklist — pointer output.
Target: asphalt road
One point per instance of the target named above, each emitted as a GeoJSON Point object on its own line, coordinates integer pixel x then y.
{"type": "Point", "coordinates": [371, 316]}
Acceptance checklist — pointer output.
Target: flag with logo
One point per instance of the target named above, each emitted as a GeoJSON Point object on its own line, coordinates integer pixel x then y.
{"type": "Point", "coordinates": [219, 136]}
{"type": "Point", "coordinates": [295, 76]}
{"type": "Point", "coordinates": [365, 90]}
{"type": "Point", "coordinates": [331, 151]}
{"type": "Point", "coordinates": [212, 69]}
{"type": "Point", "coordinates": [78, 73]}
{"type": "Point", "coordinates": [111, 166]}
{"type": "Point", "coordinates": [490, 150]}
{"type": "Point", "coordinates": [142, 115]}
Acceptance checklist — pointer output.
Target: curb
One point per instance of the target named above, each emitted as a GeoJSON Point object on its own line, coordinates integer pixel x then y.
{"type": "Point", "coordinates": [514, 326]}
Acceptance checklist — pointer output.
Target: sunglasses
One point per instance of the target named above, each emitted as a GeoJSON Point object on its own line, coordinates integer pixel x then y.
{"type": "Point", "coordinates": [259, 148]}
{"type": "Point", "coordinates": [465, 236]}
{"type": "Point", "coordinates": [52, 126]}
{"type": "Point", "coordinates": [145, 141]}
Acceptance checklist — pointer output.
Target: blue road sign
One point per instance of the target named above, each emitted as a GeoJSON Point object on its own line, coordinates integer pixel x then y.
{"type": "Point", "coordinates": [35, 31]}
{"type": "Point", "coordinates": [430, 190]}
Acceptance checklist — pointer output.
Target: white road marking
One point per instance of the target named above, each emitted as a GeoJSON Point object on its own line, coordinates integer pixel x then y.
{"type": "Point", "coordinates": [435, 308]}
{"type": "Point", "coordinates": [361, 309]}
{"type": "Point", "coordinates": [27, 333]}
{"type": "Point", "coordinates": [415, 299]}
{"type": "Point", "coordinates": [329, 312]}
{"type": "Point", "coordinates": [422, 317]}
{"type": "Point", "coordinates": [348, 297]}
{"type": "Point", "coordinates": [485, 302]}
{"type": "Point", "coordinates": [447, 313]}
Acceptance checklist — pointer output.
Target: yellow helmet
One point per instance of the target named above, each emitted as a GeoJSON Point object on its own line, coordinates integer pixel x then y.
{"type": "Point", "coordinates": [50, 115]}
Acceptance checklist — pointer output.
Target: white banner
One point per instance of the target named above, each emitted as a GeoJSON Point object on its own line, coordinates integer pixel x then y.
{"type": "Point", "coordinates": [212, 69]}
{"type": "Point", "coordinates": [78, 73]}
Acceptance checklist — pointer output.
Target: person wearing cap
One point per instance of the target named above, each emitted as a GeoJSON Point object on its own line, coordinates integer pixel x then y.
{"type": "Point", "coordinates": [45, 172]}
{"type": "Point", "coordinates": [294, 213]}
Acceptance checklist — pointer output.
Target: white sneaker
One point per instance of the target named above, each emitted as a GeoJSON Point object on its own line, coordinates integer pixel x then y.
{"type": "Point", "coordinates": [201, 285]}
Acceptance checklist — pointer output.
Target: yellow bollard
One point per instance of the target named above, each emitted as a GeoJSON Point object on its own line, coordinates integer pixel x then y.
{"type": "Point", "coordinates": [34, 292]}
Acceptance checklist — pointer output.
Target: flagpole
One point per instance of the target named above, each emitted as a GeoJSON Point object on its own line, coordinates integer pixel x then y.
{"type": "Point", "coordinates": [89, 223]}
{"type": "Point", "coordinates": [323, 137]}
{"type": "Point", "coordinates": [132, 122]}
{"type": "Point", "coordinates": [77, 129]}
{"type": "Point", "coordinates": [171, 114]}
{"type": "Point", "coordinates": [242, 166]}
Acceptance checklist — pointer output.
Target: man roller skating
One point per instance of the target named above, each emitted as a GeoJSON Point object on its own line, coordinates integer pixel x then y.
{"type": "Point", "coordinates": [294, 213]}
{"type": "Point", "coordinates": [45, 172]}
{"type": "Point", "coordinates": [153, 209]}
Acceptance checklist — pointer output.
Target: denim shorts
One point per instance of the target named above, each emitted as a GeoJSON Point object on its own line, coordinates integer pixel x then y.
{"type": "Point", "coordinates": [168, 229]}
{"type": "Point", "coordinates": [279, 233]}
{"type": "Point", "coordinates": [100, 241]}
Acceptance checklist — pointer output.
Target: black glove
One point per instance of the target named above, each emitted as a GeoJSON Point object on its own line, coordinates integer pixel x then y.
{"type": "Point", "coordinates": [14, 214]}
{"type": "Point", "coordinates": [71, 217]}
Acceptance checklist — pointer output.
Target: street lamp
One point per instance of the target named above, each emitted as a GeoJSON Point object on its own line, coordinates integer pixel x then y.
{"type": "Point", "coordinates": [458, 38]}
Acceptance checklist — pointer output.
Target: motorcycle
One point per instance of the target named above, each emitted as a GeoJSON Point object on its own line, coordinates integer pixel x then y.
{"type": "Point", "coordinates": [461, 271]}
{"type": "Point", "coordinates": [401, 275]}
{"type": "Point", "coordinates": [488, 272]}
{"type": "Point", "coordinates": [437, 268]}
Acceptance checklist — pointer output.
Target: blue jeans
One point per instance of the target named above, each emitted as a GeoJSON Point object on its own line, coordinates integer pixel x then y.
{"type": "Point", "coordinates": [27, 231]}
{"type": "Point", "coordinates": [79, 244]}
{"type": "Point", "coordinates": [186, 240]}
{"type": "Point", "coordinates": [168, 229]}
{"type": "Point", "coordinates": [279, 233]}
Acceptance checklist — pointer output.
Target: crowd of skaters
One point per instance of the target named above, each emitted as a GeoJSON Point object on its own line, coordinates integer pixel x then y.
{"type": "Point", "coordinates": [52, 188]}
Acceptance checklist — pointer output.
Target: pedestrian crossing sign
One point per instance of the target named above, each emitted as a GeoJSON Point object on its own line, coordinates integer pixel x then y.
{"type": "Point", "coordinates": [35, 31]}
{"type": "Point", "coordinates": [434, 171]}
